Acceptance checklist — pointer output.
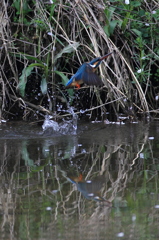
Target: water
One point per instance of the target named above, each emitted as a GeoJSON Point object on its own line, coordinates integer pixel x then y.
{"type": "Point", "coordinates": [64, 127]}
{"type": "Point", "coordinates": [100, 183]}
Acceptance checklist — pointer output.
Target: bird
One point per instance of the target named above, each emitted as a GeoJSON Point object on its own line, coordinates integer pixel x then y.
{"type": "Point", "coordinates": [86, 74]}
{"type": "Point", "coordinates": [90, 189]}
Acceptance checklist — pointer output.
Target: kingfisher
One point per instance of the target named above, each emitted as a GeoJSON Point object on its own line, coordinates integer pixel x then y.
{"type": "Point", "coordinates": [86, 74]}
{"type": "Point", "coordinates": [90, 189]}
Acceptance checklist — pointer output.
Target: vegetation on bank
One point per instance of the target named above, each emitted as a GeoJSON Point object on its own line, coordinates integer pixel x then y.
{"type": "Point", "coordinates": [42, 43]}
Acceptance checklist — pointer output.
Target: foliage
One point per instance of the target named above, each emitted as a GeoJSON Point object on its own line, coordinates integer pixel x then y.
{"type": "Point", "coordinates": [47, 41]}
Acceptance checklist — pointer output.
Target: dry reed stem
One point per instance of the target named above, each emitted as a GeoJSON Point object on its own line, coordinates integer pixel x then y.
{"type": "Point", "coordinates": [96, 28]}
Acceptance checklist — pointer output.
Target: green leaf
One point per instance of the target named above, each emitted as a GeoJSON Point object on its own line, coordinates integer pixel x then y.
{"type": "Point", "coordinates": [16, 4]}
{"type": "Point", "coordinates": [64, 81]}
{"type": "Point", "coordinates": [25, 74]}
{"type": "Point", "coordinates": [136, 3]}
{"type": "Point", "coordinates": [68, 49]}
{"type": "Point", "coordinates": [106, 30]}
{"type": "Point", "coordinates": [137, 32]}
{"type": "Point", "coordinates": [38, 65]}
{"type": "Point", "coordinates": [23, 79]}
{"type": "Point", "coordinates": [112, 26]}
{"type": "Point", "coordinates": [43, 85]}
{"type": "Point", "coordinates": [120, 22]}
{"type": "Point", "coordinates": [63, 76]}
{"type": "Point", "coordinates": [109, 13]}
{"type": "Point", "coordinates": [26, 56]}
{"type": "Point", "coordinates": [25, 155]}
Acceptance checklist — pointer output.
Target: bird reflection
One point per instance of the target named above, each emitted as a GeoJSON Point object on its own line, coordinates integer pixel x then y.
{"type": "Point", "coordinates": [90, 189]}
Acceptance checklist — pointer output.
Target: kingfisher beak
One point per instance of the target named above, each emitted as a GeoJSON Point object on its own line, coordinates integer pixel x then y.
{"type": "Point", "coordinates": [105, 56]}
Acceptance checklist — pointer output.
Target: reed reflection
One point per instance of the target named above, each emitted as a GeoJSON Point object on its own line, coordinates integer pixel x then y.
{"type": "Point", "coordinates": [42, 195]}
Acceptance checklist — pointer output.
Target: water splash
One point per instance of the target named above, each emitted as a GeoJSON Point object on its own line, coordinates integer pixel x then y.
{"type": "Point", "coordinates": [64, 127]}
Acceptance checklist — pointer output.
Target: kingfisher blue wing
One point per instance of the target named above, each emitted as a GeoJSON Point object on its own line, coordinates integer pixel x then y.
{"type": "Point", "coordinates": [85, 74]}
{"type": "Point", "coordinates": [69, 84]}
{"type": "Point", "coordinates": [76, 79]}
{"type": "Point", "coordinates": [90, 77]}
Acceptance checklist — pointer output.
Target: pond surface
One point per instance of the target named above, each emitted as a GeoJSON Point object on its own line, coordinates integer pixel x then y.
{"type": "Point", "coordinates": [101, 183]}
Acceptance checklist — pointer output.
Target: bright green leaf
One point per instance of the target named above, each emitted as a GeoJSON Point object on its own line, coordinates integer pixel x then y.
{"type": "Point", "coordinates": [38, 65]}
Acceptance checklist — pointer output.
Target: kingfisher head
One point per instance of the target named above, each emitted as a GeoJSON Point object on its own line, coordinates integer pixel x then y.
{"type": "Point", "coordinates": [96, 61]}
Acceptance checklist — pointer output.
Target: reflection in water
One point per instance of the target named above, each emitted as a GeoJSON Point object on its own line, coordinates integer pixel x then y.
{"type": "Point", "coordinates": [90, 189]}
{"type": "Point", "coordinates": [38, 202]}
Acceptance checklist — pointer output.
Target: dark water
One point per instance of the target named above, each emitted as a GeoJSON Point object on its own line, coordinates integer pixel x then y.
{"type": "Point", "coordinates": [102, 183]}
